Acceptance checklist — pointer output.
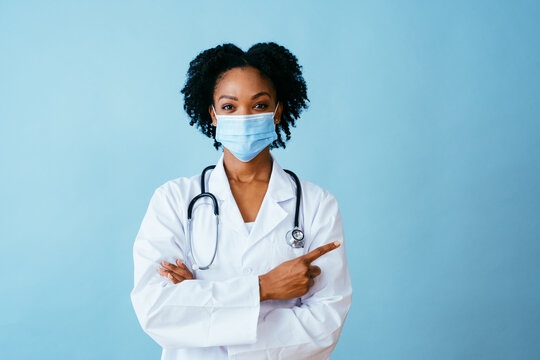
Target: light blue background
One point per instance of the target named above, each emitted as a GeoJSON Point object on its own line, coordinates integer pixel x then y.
{"type": "Point", "coordinates": [424, 123]}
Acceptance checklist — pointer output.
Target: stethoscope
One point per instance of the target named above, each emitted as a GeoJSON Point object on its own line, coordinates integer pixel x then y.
{"type": "Point", "coordinates": [294, 237]}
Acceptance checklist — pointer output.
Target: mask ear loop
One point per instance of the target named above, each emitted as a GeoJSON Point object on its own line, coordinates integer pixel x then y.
{"type": "Point", "coordinates": [274, 114]}
{"type": "Point", "coordinates": [215, 114]}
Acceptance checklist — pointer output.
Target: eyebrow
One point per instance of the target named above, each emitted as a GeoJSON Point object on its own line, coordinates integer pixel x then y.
{"type": "Point", "coordinates": [253, 97]}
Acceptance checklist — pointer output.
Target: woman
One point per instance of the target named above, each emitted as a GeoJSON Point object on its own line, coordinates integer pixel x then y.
{"type": "Point", "coordinates": [267, 294]}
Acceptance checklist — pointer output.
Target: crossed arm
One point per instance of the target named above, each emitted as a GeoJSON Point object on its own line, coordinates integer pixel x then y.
{"type": "Point", "coordinates": [289, 280]}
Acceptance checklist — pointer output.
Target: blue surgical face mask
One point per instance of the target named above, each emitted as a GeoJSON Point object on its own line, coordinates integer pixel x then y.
{"type": "Point", "coordinates": [246, 135]}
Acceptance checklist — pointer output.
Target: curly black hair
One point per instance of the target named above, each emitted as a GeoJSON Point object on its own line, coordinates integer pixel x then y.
{"type": "Point", "coordinates": [271, 59]}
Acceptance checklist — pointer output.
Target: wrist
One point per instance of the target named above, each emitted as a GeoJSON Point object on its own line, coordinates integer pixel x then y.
{"type": "Point", "coordinates": [262, 288]}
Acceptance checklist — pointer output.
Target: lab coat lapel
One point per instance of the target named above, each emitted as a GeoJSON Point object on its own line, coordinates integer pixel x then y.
{"type": "Point", "coordinates": [218, 184]}
{"type": "Point", "coordinates": [271, 213]}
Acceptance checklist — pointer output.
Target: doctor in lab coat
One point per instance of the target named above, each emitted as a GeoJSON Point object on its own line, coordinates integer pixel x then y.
{"type": "Point", "coordinates": [261, 298]}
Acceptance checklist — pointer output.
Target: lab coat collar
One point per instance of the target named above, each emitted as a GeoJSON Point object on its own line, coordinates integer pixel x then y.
{"type": "Point", "coordinates": [280, 188]}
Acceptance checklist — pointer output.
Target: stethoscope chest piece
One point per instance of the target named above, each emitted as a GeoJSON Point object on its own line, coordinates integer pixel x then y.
{"type": "Point", "coordinates": [295, 238]}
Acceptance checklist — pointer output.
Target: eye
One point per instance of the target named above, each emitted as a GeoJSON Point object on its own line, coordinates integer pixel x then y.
{"type": "Point", "coordinates": [227, 107]}
{"type": "Point", "coordinates": [261, 106]}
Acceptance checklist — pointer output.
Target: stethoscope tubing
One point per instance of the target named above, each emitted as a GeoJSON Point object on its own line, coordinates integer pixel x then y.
{"type": "Point", "coordinates": [298, 195]}
{"type": "Point", "coordinates": [211, 196]}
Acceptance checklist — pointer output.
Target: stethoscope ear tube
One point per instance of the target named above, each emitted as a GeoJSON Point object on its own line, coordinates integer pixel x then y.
{"type": "Point", "coordinates": [201, 195]}
{"type": "Point", "coordinates": [298, 197]}
{"type": "Point", "coordinates": [203, 177]}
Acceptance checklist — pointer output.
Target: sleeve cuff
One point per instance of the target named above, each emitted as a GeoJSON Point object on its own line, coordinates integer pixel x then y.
{"type": "Point", "coordinates": [235, 322]}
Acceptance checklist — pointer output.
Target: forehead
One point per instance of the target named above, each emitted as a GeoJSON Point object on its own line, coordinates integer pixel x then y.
{"type": "Point", "coordinates": [243, 81]}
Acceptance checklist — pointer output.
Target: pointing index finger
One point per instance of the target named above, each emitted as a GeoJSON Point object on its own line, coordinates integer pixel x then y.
{"type": "Point", "coordinates": [321, 250]}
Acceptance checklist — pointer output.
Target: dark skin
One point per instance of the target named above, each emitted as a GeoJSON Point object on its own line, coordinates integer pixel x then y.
{"type": "Point", "coordinates": [246, 91]}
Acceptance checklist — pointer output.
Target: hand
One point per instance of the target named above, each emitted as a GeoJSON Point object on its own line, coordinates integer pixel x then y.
{"type": "Point", "coordinates": [176, 274]}
{"type": "Point", "coordinates": [293, 278]}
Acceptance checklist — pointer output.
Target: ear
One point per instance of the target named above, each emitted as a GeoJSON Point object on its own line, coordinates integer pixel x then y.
{"type": "Point", "coordinates": [211, 112]}
{"type": "Point", "coordinates": [279, 110]}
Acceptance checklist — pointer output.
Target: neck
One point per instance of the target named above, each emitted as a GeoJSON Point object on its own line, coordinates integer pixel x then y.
{"type": "Point", "coordinates": [257, 169]}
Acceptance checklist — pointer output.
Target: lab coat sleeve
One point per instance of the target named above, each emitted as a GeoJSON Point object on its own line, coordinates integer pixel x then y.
{"type": "Point", "coordinates": [309, 331]}
{"type": "Point", "coordinates": [193, 313]}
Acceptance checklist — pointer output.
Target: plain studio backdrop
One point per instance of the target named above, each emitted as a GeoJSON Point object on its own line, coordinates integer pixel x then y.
{"type": "Point", "coordinates": [423, 122]}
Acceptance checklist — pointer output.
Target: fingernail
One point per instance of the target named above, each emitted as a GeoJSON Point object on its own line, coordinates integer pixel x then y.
{"type": "Point", "coordinates": [337, 243]}
{"type": "Point", "coordinates": [163, 263]}
{"type": "Point", "coordinates": [169, 276]}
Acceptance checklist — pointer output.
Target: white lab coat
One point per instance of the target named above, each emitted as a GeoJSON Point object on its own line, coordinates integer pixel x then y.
{"type": "Point", "coordinates": [218, 315]}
